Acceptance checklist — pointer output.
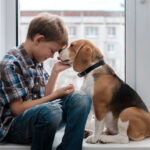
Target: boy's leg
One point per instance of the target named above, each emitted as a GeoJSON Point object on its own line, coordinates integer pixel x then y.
{"type": "Point", "coordinates": [36, 126]}
{"type": "Point", "coordinates": [76, 108]}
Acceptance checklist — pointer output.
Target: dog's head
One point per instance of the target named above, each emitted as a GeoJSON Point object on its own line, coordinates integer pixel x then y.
{"type": "Point", "coordinates": [81, 54]}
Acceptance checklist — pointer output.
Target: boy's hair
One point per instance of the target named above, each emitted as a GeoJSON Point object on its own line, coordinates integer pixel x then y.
{"type": "Point", "coordinates": [51, 26]}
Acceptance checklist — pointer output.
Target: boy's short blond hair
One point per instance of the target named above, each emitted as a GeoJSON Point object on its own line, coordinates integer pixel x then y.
{"type": "Point", "coordinates": [51, 26]}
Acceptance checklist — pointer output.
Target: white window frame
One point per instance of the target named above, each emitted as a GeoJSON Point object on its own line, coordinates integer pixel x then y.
{"type": "Point", "coordinates": [7, 25]}
{"type": "Point", "coordinates": [130, 45]}
{"type": "Point", "coordinates": [137, 72]}
{"type": "Point", "coordinates": [137, 47]}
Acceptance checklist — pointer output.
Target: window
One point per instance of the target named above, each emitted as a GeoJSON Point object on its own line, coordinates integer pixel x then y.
{"type": "Point", "coordinates": [91, 31]}
{"type": "Point", "coordinates": [111, 31]}
{"type": "Point", "coordinates": [111, 48]}
{"type": "Point", "coordinates": [72, 31]}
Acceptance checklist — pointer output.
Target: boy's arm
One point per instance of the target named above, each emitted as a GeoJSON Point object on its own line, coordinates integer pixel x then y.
{"type": "Point", "coordinates": [18, 106]}
{"type": "Point", "coordinates": [51, 83]}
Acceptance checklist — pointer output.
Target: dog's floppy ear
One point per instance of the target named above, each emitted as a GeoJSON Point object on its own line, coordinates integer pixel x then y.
{"type": "Point", "coordinates": [82, 59]}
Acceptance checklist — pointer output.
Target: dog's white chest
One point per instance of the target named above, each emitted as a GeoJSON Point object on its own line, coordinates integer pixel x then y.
{"type": "Point", "coordinates": [88, 85]}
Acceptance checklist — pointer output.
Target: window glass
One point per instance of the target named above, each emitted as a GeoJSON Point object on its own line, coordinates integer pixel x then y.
{"type": "Point", "coordinates": [100, 21]}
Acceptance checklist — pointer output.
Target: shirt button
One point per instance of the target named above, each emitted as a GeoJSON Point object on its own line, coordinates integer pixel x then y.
{"type": "Point", "coordinates": [36, 83]}
{"type": "Point", "coordinates": [35, 96]}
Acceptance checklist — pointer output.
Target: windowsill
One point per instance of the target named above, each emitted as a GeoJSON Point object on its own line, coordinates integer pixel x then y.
{"type": "Point", "coordinates": [139, 145]}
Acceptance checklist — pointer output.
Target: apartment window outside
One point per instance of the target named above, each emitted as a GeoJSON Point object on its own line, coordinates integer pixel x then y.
{"type": "Point", "coordinates": [111, 48]}
{"type": "Point", "coordinates": [111, 31]}
{"type": "Point", "coordinates": [72, 31]}
{"type": "Point", "coordinates": [91, 31]}
{"type": "Point", "coordinates": [92, 21]}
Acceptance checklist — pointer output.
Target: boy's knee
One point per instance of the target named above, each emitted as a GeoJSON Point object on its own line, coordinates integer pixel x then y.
{"type": "Point", "coordinates": [84, 101]}
{"type": "Point", "coordinates": [49, 115]}
{"type": "Point", "coordinates": [79, 101]}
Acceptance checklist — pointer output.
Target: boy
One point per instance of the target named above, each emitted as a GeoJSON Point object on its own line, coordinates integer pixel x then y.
{"type": "Point", "coordinates": [29, 111]}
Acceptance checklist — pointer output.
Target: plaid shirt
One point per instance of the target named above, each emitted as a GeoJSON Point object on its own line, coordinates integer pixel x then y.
{"type": "Point", "coordinates": [20, 76]}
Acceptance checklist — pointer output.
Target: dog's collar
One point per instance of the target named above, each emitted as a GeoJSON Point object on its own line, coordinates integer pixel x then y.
{"type": "Point", "coordinates": [100, 63]}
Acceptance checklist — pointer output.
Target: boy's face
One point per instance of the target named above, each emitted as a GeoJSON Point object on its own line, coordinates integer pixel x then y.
{"type": "Point", "coordinates": [45, 49]}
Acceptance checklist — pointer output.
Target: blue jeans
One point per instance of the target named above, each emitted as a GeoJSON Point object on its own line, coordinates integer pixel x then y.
{"type": "Point", "coordinates": [37, 126]}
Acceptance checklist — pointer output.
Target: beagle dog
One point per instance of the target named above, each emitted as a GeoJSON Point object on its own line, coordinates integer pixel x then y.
{"type": "Point", "coordinates": [117, 107]}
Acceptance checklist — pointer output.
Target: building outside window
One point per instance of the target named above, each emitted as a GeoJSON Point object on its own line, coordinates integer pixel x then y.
{"type": "Point", "coordinates": [91, 31]}
{"type": "Point", "coordinates": [72, 31]}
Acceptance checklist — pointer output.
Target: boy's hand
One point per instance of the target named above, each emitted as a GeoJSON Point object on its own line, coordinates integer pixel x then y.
{"type": "Point", "coordinates": [60, 93]}
{"type": "Point", "coordinates": [58, 67]}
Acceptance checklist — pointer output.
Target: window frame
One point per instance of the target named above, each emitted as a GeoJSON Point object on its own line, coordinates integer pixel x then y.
{"type": "Point", "coordinates": [130, 43]}
{"type": "Point", "coordinates": [8, 15]}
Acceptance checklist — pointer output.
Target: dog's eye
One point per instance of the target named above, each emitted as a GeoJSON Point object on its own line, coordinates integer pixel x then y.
{"type": "Point", "coordinates": [71, 45]}
{"type": "Point", "coordinates": [59, 51]}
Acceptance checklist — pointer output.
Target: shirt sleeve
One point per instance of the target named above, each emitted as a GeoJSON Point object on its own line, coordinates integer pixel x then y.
{"type": "Point", "coordinates": [45, 76]}
{"type": "Point", "coordinates": [11, 84]}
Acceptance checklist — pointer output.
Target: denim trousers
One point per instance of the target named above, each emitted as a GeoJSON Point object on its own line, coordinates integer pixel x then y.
{"type": "Point", "coordinates": [37, 126]}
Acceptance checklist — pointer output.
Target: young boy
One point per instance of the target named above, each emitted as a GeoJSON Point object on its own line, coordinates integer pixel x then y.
{"type": "Point", "coordinates": [29, 111]}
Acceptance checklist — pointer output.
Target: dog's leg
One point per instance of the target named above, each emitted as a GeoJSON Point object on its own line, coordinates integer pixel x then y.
{"type": "Point", "coordinates": [121, 137]}
{"type": "Point", "coordinates": [99, 126]}
{"type": "Point", "coordinates": [89, 128]}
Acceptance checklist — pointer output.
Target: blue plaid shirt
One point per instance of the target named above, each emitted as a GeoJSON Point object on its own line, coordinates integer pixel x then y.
{"type": "Point", "coordinates": [20, 76]}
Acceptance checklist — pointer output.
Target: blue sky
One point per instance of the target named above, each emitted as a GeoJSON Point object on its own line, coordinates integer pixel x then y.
{"type": "Point", "coordinates": [113, 5]}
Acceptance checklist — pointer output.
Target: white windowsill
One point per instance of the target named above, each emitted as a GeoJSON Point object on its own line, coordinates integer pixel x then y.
{"type": "Point", "coordinates": [140, 145]}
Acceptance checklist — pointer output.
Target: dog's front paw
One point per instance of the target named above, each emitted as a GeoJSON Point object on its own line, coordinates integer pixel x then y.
{"type": "Point", "coordinates": [114, 139]}
{"type": "Point", "coordinates": [103, 139]}
{"type": "Point", "coordinates": [92, 139]}
{"type": "Point", "coordinates": [87, 133]}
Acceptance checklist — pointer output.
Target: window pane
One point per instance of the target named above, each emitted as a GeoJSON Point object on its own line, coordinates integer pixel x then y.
{"type": "Point", "coordinates": [100, 21]}
{"type": "Point", "coordinates": [72, 31]}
